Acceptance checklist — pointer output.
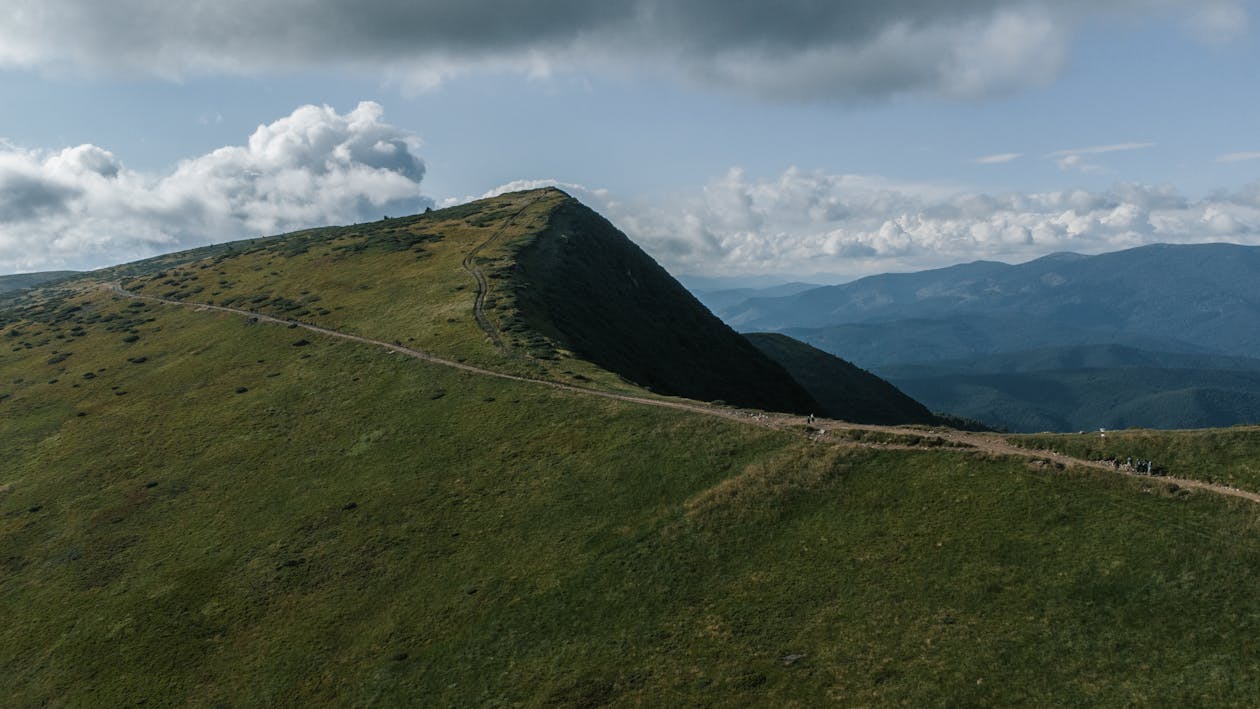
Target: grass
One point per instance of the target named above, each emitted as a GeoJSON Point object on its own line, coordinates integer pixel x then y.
{"type": "Point", "coordinates": [1222, 455]}
{"type": "Point", "coordinates": [245, 525]}
{"type": "Point", "coordinates": [878, 438]}
{"type": "Point", "coordinates": [360, 528]}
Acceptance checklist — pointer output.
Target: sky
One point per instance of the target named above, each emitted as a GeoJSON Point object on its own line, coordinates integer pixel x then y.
{"type": "Point", "coordinates": [737, 141]}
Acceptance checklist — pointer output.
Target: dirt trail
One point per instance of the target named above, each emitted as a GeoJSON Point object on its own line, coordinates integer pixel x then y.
{"type": "Point", "coordinates": [483, 285]}
{"type": "Point", "coordinates": [964, 440]}
{"type": "Point", "coordinates": [997, 444]}
{"type": "Point", "coordinates": [733, 415]}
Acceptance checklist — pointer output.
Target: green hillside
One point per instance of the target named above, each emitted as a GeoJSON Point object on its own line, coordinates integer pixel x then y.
{"type": "Point", "coordinates": [1227, 456]}
{"type": "Point", "coordinates": [200, 508]}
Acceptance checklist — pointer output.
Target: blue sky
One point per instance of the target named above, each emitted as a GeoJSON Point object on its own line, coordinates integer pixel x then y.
{"type": "Point", "coordinates": [892, 136]}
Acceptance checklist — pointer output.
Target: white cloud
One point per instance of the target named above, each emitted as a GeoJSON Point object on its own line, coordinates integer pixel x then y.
{"type": "Point", "coordinates": [1076, 162]}
{"type": "Point", "coordinates": [80, 207]}
{"type": "Point", "coordinates": [1072, 160]}
{"type": "Point", "coordinates": [1238, 157]}
{"type": "Point", "coordinates": [1100, 149]}
{"type": "Point", "coordinates": [998, 159]}
{"type": "Point", "coordinates": [803, 223]}
{"type": "Point", "coordinates": [573, 188]}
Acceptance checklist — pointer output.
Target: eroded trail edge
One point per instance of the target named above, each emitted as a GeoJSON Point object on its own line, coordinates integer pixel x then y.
{"type": "Point", "coordinates": [963, 441]}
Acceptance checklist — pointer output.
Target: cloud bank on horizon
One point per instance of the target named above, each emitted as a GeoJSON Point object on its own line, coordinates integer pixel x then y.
{"type": "Point", "coordinates": [80, 207]}
{"type": "Point", "coordinates": [806, 223]}
{"type": "Point", "coordinates": [793, 49]}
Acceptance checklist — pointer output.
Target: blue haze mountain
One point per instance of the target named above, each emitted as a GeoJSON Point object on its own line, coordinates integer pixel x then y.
{"type": "Point", "coordinates": [1161, 336]}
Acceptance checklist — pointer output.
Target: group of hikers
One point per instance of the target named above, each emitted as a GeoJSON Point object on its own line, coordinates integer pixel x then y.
{"type": "Point", "coordinates": [1136, 465]}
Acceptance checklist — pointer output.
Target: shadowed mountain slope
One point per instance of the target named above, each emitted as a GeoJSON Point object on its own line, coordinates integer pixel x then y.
{"type": "Point", "coordinates": [596, 293]}
{"type": "Point", "coordinates": [846, 392]}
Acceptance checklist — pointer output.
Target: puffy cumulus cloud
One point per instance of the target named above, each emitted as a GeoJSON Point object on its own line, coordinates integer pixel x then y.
{"type": "Point", "coordinates": [803, 223]}
{"type": "Point", "coordinates": [81, 207]}
{"type": "Point", "coordinates": [794, 49]}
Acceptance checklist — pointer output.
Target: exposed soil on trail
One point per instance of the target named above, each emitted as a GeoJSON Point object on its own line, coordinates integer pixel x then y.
{"type": "Point", "coordinates": [483, 284]}
{"type": "Point", "coordinates": [894, 437]}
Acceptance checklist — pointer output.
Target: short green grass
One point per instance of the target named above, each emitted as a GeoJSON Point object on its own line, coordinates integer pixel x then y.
{"type": "Point", "coordinates": [217, 516]}
{"type": "Point", "coordinates": [1230, 456]}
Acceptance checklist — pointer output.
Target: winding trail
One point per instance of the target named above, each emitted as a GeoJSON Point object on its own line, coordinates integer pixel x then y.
{"type": "Point", "coordinates": [733, 415]}
{"type": "Point", "coordinates": [483, 284]}
{"type": "Point", "coordinates": [963, 441]}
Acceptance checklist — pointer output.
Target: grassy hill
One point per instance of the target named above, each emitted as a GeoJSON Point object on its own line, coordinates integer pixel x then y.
{"type": "Point", "coordinates": [201, 509]}
{"type": "Point", "coordinates": [1227, 456]}
{"type": "Point", "coordinates": [844, 391]}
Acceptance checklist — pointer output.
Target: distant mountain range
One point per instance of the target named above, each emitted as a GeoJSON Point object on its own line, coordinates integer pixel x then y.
{"type": "Point", "coordinates": [20, 281]}
{"type": "Point", "coordinates": [717, 300]}
{"type": "Point", "coordinates": [1005, 344]}
{"type": "Point", "coordinates": [1090, 387]}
